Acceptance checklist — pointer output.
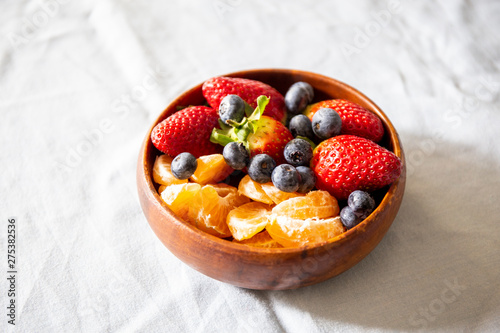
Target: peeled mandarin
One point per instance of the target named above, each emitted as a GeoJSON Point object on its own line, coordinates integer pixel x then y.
{"type": "Point", "coordinates": [178, 198]}
{"type": "Point", "coordinates": [276, 195]}
{"type": "Point", "coordinates": [316, 204]}
{"type": "Point", "coordinates": [208, 210]}
{"type": "Point", "coordinates": [291, 232]}
{"type": "Point", "coordinates": [161, 188]}
{"type": "Point", "coordinates": [230, 194]}
{"type": "Point", "coordinates": [162, 173]}
{"type": "Point", "coordinates": [253, 190]}
{"type": "Point", "coordinates": [248, 220]}
{"type": "Point", "coordinates": [211, 169]}
{"type": "Point", "coordinates": [262, 239]}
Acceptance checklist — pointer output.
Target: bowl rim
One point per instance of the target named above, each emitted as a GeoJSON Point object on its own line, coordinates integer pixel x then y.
{"type": "Point", "coordinates": [233, 247]}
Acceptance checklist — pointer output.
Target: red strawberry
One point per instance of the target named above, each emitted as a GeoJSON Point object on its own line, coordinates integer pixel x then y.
{"type": "Point", "coordinates": [346, 163]}
{"type": "Point", "coordinates": [187, 130]}
{"type": "Point", "coordinates": [260, 134]}
{"type": "Point", "coordinates": [215, 89]}
{"type": "Point", "coordinates": [356, 120]}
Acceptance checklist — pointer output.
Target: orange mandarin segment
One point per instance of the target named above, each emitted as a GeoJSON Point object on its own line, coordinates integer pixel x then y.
{"type": "Point", "coordinates": [296, 232]}
{"type": "Point", "coordinates": [179, 197]}
{"type": "Point", "coordinates": [208, 210]}
{"type": "Point", "coordinates": [230, 194]}
{"type": "Point", "coordinates": [211, 169]}
{"type": "Point", "coordinates": [262, 239]}
{"type": "Point", "coordinates": [316, 204]}
{"type": "Point", "coordinates": [161, 188]}
{"type": "Point", "coordinates": [248, 220]}
{"type": "Point", "coordinates": [253, 190]}
{"type": "Point", "coordinates": [276, 195]}
{"type": "Point", "coordinates": [162, 173]}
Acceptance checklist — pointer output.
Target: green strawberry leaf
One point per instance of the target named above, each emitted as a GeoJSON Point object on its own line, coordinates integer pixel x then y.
{"type": "Point", "coordinates": [223, 126]}
{"type": "Point", "coordinates": [239, 132]}
{"type": "Point", "coordinates": [218, 136]}
{"type": "Point", "coordinates": [254, 118]}
{"type": "Point", "coordinates": [236, 124]}
{"type": "Point", "coordinates": [248, 110]}
{"type": "Point", "coordinates": [262, 102]}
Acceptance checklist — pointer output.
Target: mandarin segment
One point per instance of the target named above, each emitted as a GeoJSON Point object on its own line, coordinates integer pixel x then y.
{"type": "Point", "coordinates": [162, 173]}
{"type": "Point", "coordinates": [247, 220]}
{"type": "Point", "coordinates": [316, 204]}
{"type": "Point", "coordinates": [262, 239]}
{"type": "Point", "coordinates": [178, 198]}
{"type": "Point", "coordinates": [205, 212]}
{"type": "Point", "coordinates": [208, 210]}
{"type": "Point", "coordinates": [211, 169]}
{"type": "Point", "coordinates": [253, 190]}
{"type": "Point", "coordinates": [230, 194]}
{"type": "Point", "coordinates": [206, 207]}
{"type": "Point", "coordinates": [161, 188]}
{"type": "Point", "coordinates": [276, 195]}
{"type": "Point", "coordinates": [291, 232]}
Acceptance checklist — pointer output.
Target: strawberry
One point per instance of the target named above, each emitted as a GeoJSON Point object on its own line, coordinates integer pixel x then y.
{"type": "Point", "coordinates": [187, 130]}
{"type": "Point", "coordinates": [260, 134]}
{"type": "Point", "coordinates": [346, 163]}
{"type": "Point", "coordinates": [356, 120]}
{"type": "Point", "coordinates": [215, 89]}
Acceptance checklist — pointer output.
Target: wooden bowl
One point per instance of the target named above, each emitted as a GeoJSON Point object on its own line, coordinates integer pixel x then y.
{"type": "Point", "coordinates": [261, 268]}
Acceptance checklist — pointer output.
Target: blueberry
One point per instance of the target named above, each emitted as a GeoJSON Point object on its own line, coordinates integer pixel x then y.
{"type": "Point", "coordinates": [261, 167]}
{"type": "Point", "coordinates": [298, 152]}
{"type": "Point", "coordinates": [300, 125]}
{"type": "Point", "coordinates": [307, 179]}
{"type": "Point", "coordinates": [236, 155]}
{"type": "Point", "coordinates": [361, 203]}
{"type": "Point", "coordinates": [326, 123]}
{"type": "Point", "coordinates": [232, 107]}
{"type": "Point", "coordinates": [348, 218]}
{"type": "Point", "coordinates": [286, 178]}
{"type": "Point", "coordinates": [298, 96]}
{"type": "Point", "coordinates": [184, 165]}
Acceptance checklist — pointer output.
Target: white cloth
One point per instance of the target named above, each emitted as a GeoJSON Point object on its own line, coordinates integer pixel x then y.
{"type": "Point", "coordinates": [81, 82]}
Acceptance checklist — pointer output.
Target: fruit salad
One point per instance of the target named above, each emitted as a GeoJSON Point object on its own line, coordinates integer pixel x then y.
{"type": "Point", "coordinates": [261, 169]}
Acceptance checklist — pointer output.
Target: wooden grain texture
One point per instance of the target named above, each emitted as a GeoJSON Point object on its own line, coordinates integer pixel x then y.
{"type": "Point", "coordinates": [260, 268]}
